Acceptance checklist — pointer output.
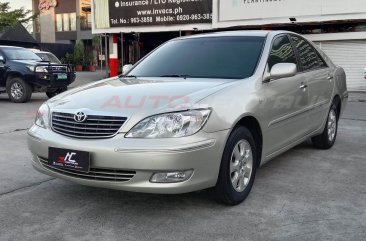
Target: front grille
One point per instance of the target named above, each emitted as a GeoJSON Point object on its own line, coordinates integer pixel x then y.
{"type": "Point", "coordinates": [95, 126]}
{"type": "Point", "coordinates": [58, 69]}
{"type": "Point", "coordinates": [99, 174]}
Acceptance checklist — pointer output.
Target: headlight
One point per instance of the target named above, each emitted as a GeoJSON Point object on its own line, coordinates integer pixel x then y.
{"type": "Point", "coordinates": [40, 69]}
{"type": "Point", "coordinates": [42, 117]}
{"type": "Point", "coordinates": [168, 125]}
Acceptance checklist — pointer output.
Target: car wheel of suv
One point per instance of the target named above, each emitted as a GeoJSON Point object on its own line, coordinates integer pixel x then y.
{"type": "Point", "coordinates": [51, 94]}
{"type": "Point", "coordinates": [327, 138]}
{"type": "Point", "coordinates": [238, 167]}
{"type": "Point", "coordinates": [18, 90]}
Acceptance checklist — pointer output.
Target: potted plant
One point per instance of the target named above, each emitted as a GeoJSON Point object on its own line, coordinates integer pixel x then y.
{"type": "Point", "coordinates": [96, 50]}
{"type": "Point", "coordinates": [90, 61]}
{"type": "Point", "coordinates": [79, 56]}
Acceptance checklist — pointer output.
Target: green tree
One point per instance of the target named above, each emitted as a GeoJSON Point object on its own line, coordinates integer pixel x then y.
{"type": "Point", "coordinates": [79, 53]}
{"type": "Point", "coordinates": [9, 18]}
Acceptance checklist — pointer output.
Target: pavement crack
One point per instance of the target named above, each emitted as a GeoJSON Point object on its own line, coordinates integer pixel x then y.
{"type": "Point", "coordinates": [25, 187]}
{"type": "Point", "coordinates": [15, 130]}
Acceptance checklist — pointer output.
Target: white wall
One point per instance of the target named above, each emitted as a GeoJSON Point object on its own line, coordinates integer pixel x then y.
{"type": "Point", "coordinates": [228, 13]}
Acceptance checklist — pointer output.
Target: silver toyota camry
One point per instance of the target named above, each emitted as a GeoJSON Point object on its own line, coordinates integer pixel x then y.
{"type": "Point", "coordinates": [198, 112]}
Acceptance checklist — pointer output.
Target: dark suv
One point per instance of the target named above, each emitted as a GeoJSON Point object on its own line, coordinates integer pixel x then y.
{"type": "Point", "coordinates": [22, 72]}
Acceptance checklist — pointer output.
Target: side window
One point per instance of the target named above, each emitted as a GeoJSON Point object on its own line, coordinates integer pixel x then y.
{"type": "Point", "coordinates": [281, 52]}
{"type": "Point", "coordinates": [309, 57]}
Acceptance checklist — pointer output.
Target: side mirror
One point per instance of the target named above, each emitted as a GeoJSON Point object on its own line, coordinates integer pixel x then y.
{"type": "Point", "coordinates": [2, 59]}
{"type": "Point", "coordinates": [281, 70]}
{"type": "Point", "coordinates": [126, 68]}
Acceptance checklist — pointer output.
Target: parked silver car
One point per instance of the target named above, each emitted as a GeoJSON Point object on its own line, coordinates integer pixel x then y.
{"type": "Point", "coordinates": [199, 112]}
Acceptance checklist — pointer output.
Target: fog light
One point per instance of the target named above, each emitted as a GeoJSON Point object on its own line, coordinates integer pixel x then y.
{"type": "Point", "coordinates": [171, 177]}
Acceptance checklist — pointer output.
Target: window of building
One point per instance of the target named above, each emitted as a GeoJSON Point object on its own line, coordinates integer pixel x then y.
{"type": "Point", "coordinates": [59, 22]}
{"type": "Point", "coordinates": [309, 57]}
{"type": "Point", "coordinates": [73, 21]}
{"type": "Point", "coordinates": [282, 52]}
{"type": "Point", "coordinates": [66, 22]}
{"type": "Point", "coordinates": [85, 15]}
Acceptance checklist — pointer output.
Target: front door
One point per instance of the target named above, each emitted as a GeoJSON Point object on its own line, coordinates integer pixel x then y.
{"type": "Point", "coordinates": [2, 72]}
{"type": "Point", "coordinates": [286, 101]}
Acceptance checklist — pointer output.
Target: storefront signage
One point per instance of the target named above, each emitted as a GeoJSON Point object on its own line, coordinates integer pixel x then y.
{"type": "Point", "coordinates": [45, 5]}
{"type": "Point", "coordinates": [239, 10]}
{"type": "Point", "coordinates": [126, 13]}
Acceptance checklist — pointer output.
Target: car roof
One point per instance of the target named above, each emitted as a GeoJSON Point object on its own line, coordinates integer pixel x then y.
{"type": "Point", "coordinates": [37, 51]}
{"type": "Point", "coordinates": [14, 47]}
{"type": "Point", "coordinates": [43, 52]}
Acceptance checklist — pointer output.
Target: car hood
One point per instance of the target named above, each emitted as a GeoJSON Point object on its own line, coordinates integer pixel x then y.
{"type": "Point", "coordinates": [137, 97]}
{"type": "Point", "coordinates": [29, 62]}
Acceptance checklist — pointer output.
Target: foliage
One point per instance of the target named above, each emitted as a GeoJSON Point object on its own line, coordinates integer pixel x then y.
{"type": "Point", "coordinates": [96, 43]}
{"type": "Point", "coordinates": [69, 59]}
{"type": "Point", "coordinates": [79, 53]}
{"type": "Point", "coordinates": [89, 58]}
{"type": "Point", "coordinates": [9, 18]}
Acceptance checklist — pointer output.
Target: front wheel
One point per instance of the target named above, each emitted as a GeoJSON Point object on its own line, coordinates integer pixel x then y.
{"type": "Point", "coordinates": [238, 167]}
{"type": "Point", "coordinates": [18, 90]}
{"type": "Point", "coordinates": [51, 94]}
{"type": "Point", "coordinates": [327, 138]}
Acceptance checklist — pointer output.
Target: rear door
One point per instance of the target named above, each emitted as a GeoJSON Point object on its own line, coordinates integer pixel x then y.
{"type": "Point", "coordinates": [319, 79]}
{"type": "Point", "coordinates": [286, 104]}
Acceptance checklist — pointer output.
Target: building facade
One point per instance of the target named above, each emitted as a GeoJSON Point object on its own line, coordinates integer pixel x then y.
{"type": "Point", "coordinates": [62, 21]}
{"type": "Point", "coordinates": [338, 27]}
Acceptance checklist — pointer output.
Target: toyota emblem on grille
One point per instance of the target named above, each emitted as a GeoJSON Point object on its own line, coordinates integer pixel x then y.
{"type": "Point", "coordinates": [80, 117]}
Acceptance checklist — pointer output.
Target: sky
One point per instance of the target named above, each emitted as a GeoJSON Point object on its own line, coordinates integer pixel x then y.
{"type": "Point", "coordinates": [27, 4]}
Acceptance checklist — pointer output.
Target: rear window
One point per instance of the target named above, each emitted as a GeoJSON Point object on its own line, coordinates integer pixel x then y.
{"type": "Point", "coordinates": [49, 57]}
{"type": "Point", "coordinates": [216, 57]}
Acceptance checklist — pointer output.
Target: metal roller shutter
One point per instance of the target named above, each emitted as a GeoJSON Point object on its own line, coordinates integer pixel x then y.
{"type": "Point", "coordinates": [351, 55]}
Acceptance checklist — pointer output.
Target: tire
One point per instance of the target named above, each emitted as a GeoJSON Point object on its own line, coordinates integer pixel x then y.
{"type": "Point", "coordinates": [18, 90]}
{"type": "Point", "coordinates": [51, 94]}
{"type": "Point", "coordinates": [227, 189]}
{"type": "Point", "coordinates": [326, 139]}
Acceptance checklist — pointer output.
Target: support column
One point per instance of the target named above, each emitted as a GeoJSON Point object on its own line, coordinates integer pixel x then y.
{"type": "Point", "coordinates": [113, 55]}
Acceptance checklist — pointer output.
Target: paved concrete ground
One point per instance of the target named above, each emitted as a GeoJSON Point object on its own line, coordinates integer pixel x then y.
{"type": "Point", "coordinates": [304, 194]}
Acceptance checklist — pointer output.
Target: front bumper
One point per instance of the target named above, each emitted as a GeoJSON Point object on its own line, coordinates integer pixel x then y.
{"type": "Point", "coordinates": [49, 80]}
{"type": "Point", "coordinates": [201, 153]}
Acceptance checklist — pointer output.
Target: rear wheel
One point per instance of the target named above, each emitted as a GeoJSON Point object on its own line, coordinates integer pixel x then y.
{"type": "Point", "coordinates": [53, 93]}
{"type": "Point", "coordinates": [238, 167]}
{"type": "Point", "coordinates": [327, 138]}
{"type": "Point", "coordinates": [18, 90]}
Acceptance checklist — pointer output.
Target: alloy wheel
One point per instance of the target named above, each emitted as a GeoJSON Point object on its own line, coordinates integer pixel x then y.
{"type": "Point", "coordinates": [332, 125]}
{"type": "Point", "coordinates": [16, 91]}
{"type": "Point", "coordinates": [241, 165]}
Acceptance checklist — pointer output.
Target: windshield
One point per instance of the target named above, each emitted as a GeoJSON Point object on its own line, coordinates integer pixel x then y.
{"type": "Point", "coordinates": [216, 57]}
{"type": "Point", "coordinates": [49, 57]}
{"type": "Point", "coordinates": [20, 54]}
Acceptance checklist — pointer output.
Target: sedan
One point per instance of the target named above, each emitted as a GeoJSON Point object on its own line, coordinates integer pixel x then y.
{"type": "Point", "coordinates": [198, 112]}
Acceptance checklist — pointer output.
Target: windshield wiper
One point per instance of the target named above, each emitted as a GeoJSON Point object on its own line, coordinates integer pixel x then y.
{"type": "Point", "coordinates": [175, 76]}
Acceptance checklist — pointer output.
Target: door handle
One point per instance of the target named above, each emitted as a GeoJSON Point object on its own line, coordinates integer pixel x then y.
{"type": "Point", "coordinates": [330, 77]}
{"type": "Point", "coordinates": [303, 86]}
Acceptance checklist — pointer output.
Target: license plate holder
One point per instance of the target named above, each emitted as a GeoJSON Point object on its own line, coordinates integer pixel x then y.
{"type": "Point", "coordinates": [62, 76]}
{"type": "Point", "coordinates": [69, 159]}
